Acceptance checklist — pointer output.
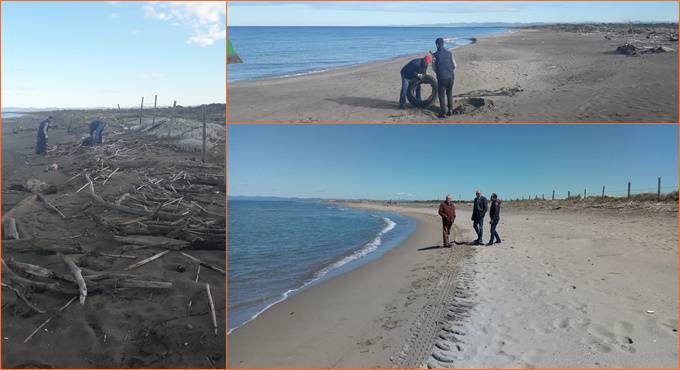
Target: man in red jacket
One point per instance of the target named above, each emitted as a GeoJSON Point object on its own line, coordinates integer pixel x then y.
{"type": "Point", "coordinates": [447, 211]}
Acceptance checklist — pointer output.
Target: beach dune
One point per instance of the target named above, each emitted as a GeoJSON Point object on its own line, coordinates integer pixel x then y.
{"type": "Point", "coordinates": [533, 75]}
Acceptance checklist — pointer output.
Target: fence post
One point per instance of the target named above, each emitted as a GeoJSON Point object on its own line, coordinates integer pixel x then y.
{"type": "Point", "coordinates": [568, 194]}
{"type": "Point", "coordinates": [628, 189]}
{"type": "Point", "coordinates": [584, 194]}
{"type": "Point", "coordinates": [553, 197]}
{"type": "Point", "coordinates": [155, 99]}
{"type": "Point", "coordinates": [141, 108]}
{"type": "Point", "coordinates": [658, 189]}
{"type": "Point", "coordinates": [543, 196]}
{"type": "Point", "coordinates": [203, 133]}
{"type": "Point", "coordinates": [602, 191]}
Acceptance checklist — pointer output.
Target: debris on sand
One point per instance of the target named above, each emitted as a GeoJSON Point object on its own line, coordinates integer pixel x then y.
{"type": "Point", "coordinates": [630, 49]}
{"type": "Point", "coordinates": [473, 105]}
{"type": "Point", "coordinates": [503, 91]}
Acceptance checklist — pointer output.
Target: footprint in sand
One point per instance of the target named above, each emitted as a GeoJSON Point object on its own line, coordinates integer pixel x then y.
{"type": "Point", "coordinates": [532, 357]}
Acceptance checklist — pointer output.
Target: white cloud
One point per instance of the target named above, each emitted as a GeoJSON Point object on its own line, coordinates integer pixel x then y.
{"type": "Point", "coordinates": [404, 194]}
{"type": "Point", "coordinates": [148, 76]}
{"type": "Point", "coordinates": [205, 20]}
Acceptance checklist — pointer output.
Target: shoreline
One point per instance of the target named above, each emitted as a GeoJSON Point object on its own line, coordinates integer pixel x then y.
{"type": "Point", "coordinates": [369, 252]}
{"type": "Point", "coordinates": [529, 75]}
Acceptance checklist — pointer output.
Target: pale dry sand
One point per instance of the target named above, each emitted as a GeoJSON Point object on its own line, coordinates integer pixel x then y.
{"type": "Point", "coordinates": [588, 288]}
{"type": "Point", "coordinates": [563, 77]}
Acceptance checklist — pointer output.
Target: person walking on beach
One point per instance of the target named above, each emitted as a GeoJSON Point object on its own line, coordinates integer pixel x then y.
{"type": "Point", "coordinates": [444, 66]}
{"type": "Point", "coordinates": [447, 211]}
{"type": "Point", "coordinates": [41, 144]}
{"type": "Point", "coordinates": [495, 215]}
{"type": "Point", "coordinates": [479, 208]}
{"type": "Point", "coordinates": [415, 68]}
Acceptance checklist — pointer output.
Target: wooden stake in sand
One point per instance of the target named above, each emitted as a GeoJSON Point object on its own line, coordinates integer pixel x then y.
{"type": "Point", "coordinates": [62, 308]}
{"type": "Point", "coordinates": [212, 308]}
{"type": "Point", "coordinates": [78, 274]}
{"type": "Point", "coordinates": [147, 260]}
{"type": "Point", "coordinates": [112, 173]}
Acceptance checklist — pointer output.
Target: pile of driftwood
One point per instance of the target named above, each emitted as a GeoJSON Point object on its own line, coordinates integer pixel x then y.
{"type": "Point", "coordinates": [174, 206]}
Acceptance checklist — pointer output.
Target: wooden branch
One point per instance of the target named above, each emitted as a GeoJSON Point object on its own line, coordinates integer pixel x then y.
{"type": "Point", "coordinates": [212, 308]}
{"type": "Point", "coordinates": [153, 241]}
{"type": "Point", "coordinates": [139, 212]}
{"type": "Point", "coordinates": [204, 264]}
{"type": "Point", "coordinates": [39, 271]}
{"type": "Point", "coordinates": [78, 274]}
{"type": "Point", "coordinates": [112, 173]}
{"type": "Point", "coordinates": [147, 260]}
{"type": "Point", "coordinates": [62, 308]}
{"type": "Point", "coordinates": [49, 205]}
{"type": "Point", "coordinates": [9, 225]}
{"type": "Point", "coordinates": [23, 298]}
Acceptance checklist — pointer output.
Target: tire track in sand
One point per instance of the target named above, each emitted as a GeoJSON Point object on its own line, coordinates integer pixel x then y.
{"type": "Point", "coordinates": [436, 328]}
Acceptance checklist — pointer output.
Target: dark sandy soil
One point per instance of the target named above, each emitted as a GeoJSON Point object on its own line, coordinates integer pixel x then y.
{"type": "Point", "coordinates": [118, 326]}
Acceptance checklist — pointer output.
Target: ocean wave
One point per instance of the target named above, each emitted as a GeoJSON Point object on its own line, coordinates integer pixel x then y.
{"type": "Point", "coordinates": [368, 248]}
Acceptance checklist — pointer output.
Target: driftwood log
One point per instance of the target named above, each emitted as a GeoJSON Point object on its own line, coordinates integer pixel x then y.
{"type": "Point", "coordinates": [77, 274]}
{"type": "Point", "coordinates": [42, 246]}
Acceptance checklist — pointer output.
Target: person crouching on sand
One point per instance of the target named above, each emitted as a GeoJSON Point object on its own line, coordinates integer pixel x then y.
{"type": "Point", "coordinates": [414, 68]}
{"type": "Point", "coordinates": [444, 66]}
{"type": "Point", "coordinates": [447, 211]}
{"type": "Point", "coordinates": [495, 215]}
{"type": "Point", "coordinates": [479, 208]}
{"type": "Point", "coordinates": [41, 144]}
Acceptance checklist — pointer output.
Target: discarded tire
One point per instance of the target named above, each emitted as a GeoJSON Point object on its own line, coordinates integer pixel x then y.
{"type": "Point", "coordinates": [423, 102]}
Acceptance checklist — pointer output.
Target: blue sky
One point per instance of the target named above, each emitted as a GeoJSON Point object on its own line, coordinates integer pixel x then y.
{"type": "Point", "coordinates": [407, 13]}
{"type": "Point", "coordinates": [428, 161]}
{"type": "Point", "coordinates": [76, 54]}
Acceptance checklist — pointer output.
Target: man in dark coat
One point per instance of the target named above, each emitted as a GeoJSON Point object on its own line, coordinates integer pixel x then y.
{"type": "Point", "coordinates": [41, 144]}
{"type": "Point", "coordinates": [495, 215]}
{"type": "Point", "coordinates": [96, 131]}
{"type": "Point", "coordinates": [444, 65]}
{"type": "Point", "coordinates": [479, 208]}
{"type": "Point", "coordinates": [447, 211]}
{"type": "Point", "coordinates": [415, 68]}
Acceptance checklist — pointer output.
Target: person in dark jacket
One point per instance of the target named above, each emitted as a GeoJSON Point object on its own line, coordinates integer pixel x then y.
{"type": "Point", "coordinates": [444, 66]}
{"type": "Point", "coordinates": [96, 131]}
{"type": "Point", "coordinates": [41, 144]}
{"type": "Point", "coordinates": [479, 208]}
{"type": "Point", "coordinates": [447, 211]}
{"type": "Point", "coordinates": [495, 215]}
{"type": "Point", "coordinates": [413, 69]}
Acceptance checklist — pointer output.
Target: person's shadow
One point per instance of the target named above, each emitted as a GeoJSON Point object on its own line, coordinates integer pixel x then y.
{"type": "Point", "coordinates": [364, 102]}
{"type": "Point", "coordinates": [433, 247]}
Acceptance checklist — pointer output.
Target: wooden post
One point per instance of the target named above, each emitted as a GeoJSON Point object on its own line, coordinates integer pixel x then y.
{"type": "Point", "coordinates": [141, 109]}
{"type": "Point", "coordinates": [118, 108]}
{"type": "Point", "coordinates": [155, 99]}
{"type": "Point", "coordinates": [543, 196]}
{"type": "Point", "coordinates": [602, 191]}
{"type": "Point", "coordinates": [172, 115]}
{"type": "Point", "coordinates": [204, 117]}
{"type": "Point", "coordinates": [584, 194]}
{"type": "Point", "coordinates": [568, 194]}
{"type": "Point", "coordinates": [628, 189]}
{"type": "Point", "coordinates": [553, 197]}
{"type": "Point", "coordinates": [658, 189]}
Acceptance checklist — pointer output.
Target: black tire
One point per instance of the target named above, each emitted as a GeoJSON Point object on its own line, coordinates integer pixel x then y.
{"type": "Point", "coordinates": [411, 93]}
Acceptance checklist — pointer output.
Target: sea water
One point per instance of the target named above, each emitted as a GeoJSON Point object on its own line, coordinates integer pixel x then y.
{"type": "Point", "coordinates": [279, 248]}
{"type": "Point", "coordinates": [288, 51]}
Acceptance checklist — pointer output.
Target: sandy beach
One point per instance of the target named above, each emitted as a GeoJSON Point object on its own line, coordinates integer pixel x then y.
{"type": "Point", "coordinates": [527, 76]}
{"type": "Point", "coordinates": [587, 287]}
{"type": "Point", "coordinates": [141, 318]}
